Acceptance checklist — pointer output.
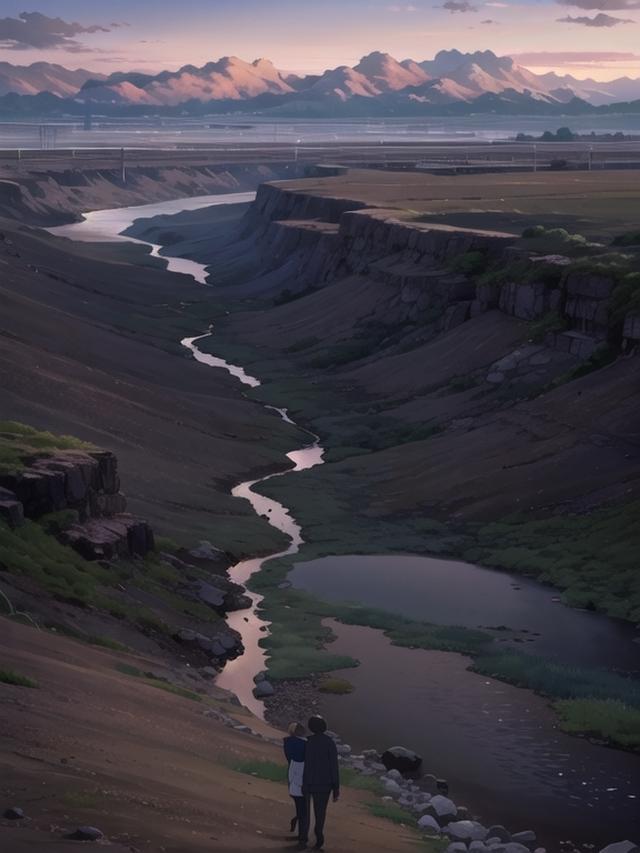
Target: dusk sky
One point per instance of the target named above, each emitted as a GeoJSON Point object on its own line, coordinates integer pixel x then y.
{"type": "Point", "coordinates": [596, 38]}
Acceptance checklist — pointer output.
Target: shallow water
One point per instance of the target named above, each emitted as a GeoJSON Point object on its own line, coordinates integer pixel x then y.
{"type": "Point", "coordinates": [450, 592]}
{"type": "Point", "coordinates": [498, 745]}
{"type": "Point", "coordinates": [106, 226]}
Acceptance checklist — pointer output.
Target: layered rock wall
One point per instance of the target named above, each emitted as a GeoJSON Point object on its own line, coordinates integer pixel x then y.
{"type": "Point", "coordinates": [306, 241]}
{"type": "Point", "coordinates": [87, 483]}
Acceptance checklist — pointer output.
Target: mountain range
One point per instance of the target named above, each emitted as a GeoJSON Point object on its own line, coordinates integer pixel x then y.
{"type": "Point", "coordinates": [451, 78]}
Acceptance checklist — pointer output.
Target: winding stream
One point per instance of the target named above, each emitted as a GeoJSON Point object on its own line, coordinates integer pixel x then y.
{"type": "Point", "coordinates": [500, 744]}
{"type": "Point", "coordinates": [108, 226]}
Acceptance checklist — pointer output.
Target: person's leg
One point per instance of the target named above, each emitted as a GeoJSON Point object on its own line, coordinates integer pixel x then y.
{"type": "Point", "coordinates": [301, 817]}
{"type": "Point", "coordinates": [320, 802]}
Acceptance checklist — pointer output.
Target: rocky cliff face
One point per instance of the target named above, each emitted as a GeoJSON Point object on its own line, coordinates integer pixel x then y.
{"type": "Point", "coordinates": [86, 483]}
{"type": "Point", "coordinates": [306, 241]}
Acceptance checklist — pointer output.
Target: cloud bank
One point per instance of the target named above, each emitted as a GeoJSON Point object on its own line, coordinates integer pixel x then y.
{"type": "Point", "coordinates": [35, 30]}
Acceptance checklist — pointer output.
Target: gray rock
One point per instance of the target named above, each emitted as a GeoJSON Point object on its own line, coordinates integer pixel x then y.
{"type": "Point", "coordinates": [428, 822]}
{"type": "Point", "coordinates": [396, 775]}
{"type": "Point", "coordinates": [621, 847]}
{"type": "Point", "coordinates": [514, 847]}
{"type": "Point", "coordinates": [527, 837]}
{"type": "Point", "coordinates": [85, 833]}
{"type": "Point", "coordinates": [14, 813]}
{"type": "Point", "coordinates": [478, 847]}
{"type": "Point", "coordinates": [263, 689]}
{"type": "Point", "coordinates": [466, 830]}
{"type": "Point", "coordinates": [495, 377]}
{"type": "Point", "coordinates": [463, 813]}
{"type": "Point", "coordinates": [206, 551]}
{"type": "Point", "coordinates": [402, 759]}
{"type": "Point", "coordinates": [443, 806]}
{"type": "Point", "coordinates": [500, 832]}
{"type": "Point", "coordinates": [430, 783]}
{"type": "Point", "coordinates": [392, 787]}
{"type": "Point", "coordinates": [343, 749]}
{"type": "Point", "coordinates": [259, 677]}
{"type": "Point", "coordinates": [457, 847]}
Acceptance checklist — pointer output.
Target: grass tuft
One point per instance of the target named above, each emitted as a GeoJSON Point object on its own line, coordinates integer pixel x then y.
{"type": "Point", "coordinates": [8, 676]}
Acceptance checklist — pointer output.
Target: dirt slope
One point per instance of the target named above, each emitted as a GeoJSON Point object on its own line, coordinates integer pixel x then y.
{"type": "Point", "coordinates": [94, 746]}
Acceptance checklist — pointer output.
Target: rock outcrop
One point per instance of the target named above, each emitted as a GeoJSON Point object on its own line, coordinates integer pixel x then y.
{"type": "Point", "coordinates": [305, 241]}
{"type": "Point", "coordinates": [87, 483]}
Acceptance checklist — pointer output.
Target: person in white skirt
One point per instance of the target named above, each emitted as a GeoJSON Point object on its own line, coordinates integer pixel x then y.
{"type": "Point", "coordinates": [295, 746]}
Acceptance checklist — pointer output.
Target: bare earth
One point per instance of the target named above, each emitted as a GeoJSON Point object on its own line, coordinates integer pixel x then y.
{"type": "Point", "coordinates": [94, 746]}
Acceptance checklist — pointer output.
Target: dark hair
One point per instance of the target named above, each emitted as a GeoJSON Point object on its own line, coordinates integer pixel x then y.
{"type": "Point", "coordinates": [317, 724]}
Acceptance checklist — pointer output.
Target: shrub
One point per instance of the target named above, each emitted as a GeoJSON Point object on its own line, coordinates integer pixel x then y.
{"type": "Point", "coordinates": [8, 676]}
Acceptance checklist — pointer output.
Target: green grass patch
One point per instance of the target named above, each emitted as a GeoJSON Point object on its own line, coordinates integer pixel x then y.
{"type": "Point", "coordinates": [270, 771]}
{"type": "Point", "coordinates": [336, 686]}
{"type": "Point", "coordinates": [19, 442]}
{"type": "Point", "coordinates": [8, 676]}
{"type": "Point", "coordinates": [592, 557]}
{"type": "Point", "coordinates": [390, 811]}
{"type": "Point", "coordinates": [273, 771]}
{"type": "Point", "coordinates": [612, 720]}
{"type": "Point", "coordinates": [557, 680]}
{"type": "Point", "coordinates": [152, 680]}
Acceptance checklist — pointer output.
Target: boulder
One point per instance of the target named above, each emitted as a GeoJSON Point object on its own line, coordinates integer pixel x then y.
{"type": "Point", "coordinates": [457, 847]}
{"type": "Point", "coordinates": [478, 847]}
{"type": "Point", "coordinates": [85, 833]}
{"type": "Point", "coordinates": [443, 806]}
{"type": "Point", "coordinates": [394, 774]}
{"type": "Point", "coordinates": [466, 830]}
{"type": "Point", "coordinates": [500, 832]}
{"type": "Point", "coordinates": [263, 689]}
{"type": "Point", "coordinates": [621, 847]}
{"type": "Point", "coordinates": [528, 837]}
{"type": "Point", "coordinates": [392, 787]}
{"type": "Point", "coordinates": [428, 822]}
{"type": "Point", "coordinates": [402, 759]}
{"type": "Point", "coordinates": [109, 538]}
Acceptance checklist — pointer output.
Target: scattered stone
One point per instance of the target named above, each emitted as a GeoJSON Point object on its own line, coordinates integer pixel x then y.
{"type": "Point", "coordinates": [392, 787]}
{"type": "Point", "coordinates": [499, 832]}
{"type": "Point", "coordinates": [621, 847]}
{"type": "Point", "coordinates": [428, 822]}
{"type": "Point", "coordinates": [463, 813]}
{"type": "Point", "coordinates": [466, 830]}
{"type": "Point", "coordinates": [259, 677]}
{"type": "Point", "coordinates": [527, 837]}
{"type": "Point", "coordinates": [206, 551]}
{"type": "Point", "coordinates": [85, 833]}
{"type": "Point", "coordinates": [457, 847]}
{"type": "Point", "coordinates": [443, 806]}
{"type": "Point", "coordinates": [430, 783]}
{"type": "Point", "coordinates": [263, 688]}
{"type": "Point", "coordinates": [14, 813]}
{"type": "Point", "coordinates": [478, 847]}
{"type": "Point", "coordinates": [396, 775]}
{"type": "Point", "coordinates": [402, 759]}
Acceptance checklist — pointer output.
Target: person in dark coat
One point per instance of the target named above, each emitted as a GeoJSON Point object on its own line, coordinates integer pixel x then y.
{"type": "Point", "coordinates": [321, 779]}
{"type": "Point", "coordinates": [294, 751]}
